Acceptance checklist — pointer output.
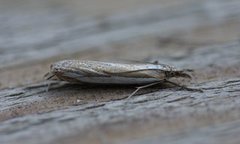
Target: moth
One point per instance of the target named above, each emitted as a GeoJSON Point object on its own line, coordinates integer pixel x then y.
{"type": "Point", "coordinates": [127, 73]}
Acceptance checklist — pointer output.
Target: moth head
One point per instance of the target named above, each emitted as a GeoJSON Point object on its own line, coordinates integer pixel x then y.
{"type": "Point", "coordinates": [57, 70]}
{"type": "Point", "coordinates": [52, 74]}
{"type": "Point", "coordinates": [59, 66]}
{"type": "Point", "coordinates": [179, 73]}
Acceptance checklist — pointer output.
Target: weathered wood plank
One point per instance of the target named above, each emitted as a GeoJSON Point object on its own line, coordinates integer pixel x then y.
{"type": "Point", "coordinates": [69, 113]}
{"type": "Point", "coordinates": [177, 35]}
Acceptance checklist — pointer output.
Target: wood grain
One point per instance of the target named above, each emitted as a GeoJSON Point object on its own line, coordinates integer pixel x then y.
{"type": "Point", "coordinates": [190, 35]}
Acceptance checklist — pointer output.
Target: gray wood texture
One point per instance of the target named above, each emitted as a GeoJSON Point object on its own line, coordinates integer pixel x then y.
{"type": "Point", "coordinates": [201, 35]}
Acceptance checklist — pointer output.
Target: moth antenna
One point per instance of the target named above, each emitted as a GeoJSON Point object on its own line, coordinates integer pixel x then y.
{"type": "Point", "coordinates": [184, 87]}
{"type": "Point", "coordinates": [188, 76]}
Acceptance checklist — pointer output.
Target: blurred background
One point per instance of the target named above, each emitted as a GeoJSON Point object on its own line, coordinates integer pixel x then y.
{"type": "Point", "coordinates": [36, 33]}
{"type": "Point", "coordinates": [50, 30]}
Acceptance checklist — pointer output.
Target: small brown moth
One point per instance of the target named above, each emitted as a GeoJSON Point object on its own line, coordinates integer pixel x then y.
{"type": "Point", "coordinates": [134, 73]}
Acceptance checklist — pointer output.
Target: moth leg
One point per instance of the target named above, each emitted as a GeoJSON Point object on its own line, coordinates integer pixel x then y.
{"type": "Point", "coordinates": [142, 87]}
{"type": "Point", "coordinates": [48, 87]}
{"type": "Point", "coordinates": [183, 87]}
{"type": "Point", "coordinates": [48, 76]}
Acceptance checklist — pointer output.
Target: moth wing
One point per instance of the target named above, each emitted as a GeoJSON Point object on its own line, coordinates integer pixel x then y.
{"type": "Point", "coordinates": [89, 73]}
{"type": "Point", "coordinates": [160, 75]}
{"type": "Point", "coordinates": [137, 62]}
{"type": "Point", "coordinates": [150, 73]}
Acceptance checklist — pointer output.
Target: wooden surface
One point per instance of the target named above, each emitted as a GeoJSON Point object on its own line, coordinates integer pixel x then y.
{"type": "Point", "coordinates": [201, 35]}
